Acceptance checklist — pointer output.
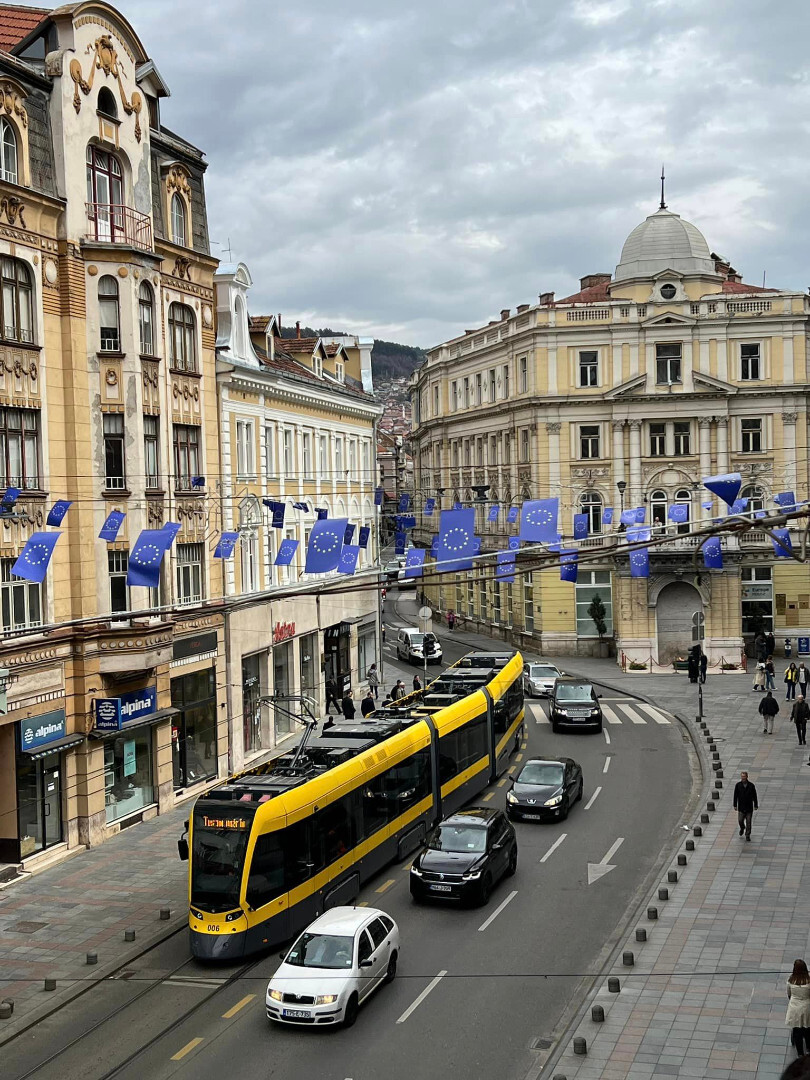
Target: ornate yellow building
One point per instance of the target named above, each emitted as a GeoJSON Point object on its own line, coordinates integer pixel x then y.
{"type": "Point", "coordinates": [624, 395]}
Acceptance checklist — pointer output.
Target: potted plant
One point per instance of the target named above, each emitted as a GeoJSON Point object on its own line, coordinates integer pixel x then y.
{"type": "Point", "coordinates": [680, 663]}
{"type": "Point", "coordinates": [638, 665]}
{"type": "Point", "coordinates": [597, 614]}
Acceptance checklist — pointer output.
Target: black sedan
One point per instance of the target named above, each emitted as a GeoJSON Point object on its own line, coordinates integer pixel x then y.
{"type": "Point", "coordinates": [575, 704]}
{"type": "Point", "coordinates": [465, 856]}
{"type": "Point", "coordinates": [545, 789]}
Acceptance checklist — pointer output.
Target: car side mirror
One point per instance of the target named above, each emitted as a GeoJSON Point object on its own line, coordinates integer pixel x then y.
{"type": "Point", "coordinates": [511, 781]}
{"type": "Point", "coordinates": [366, 963]}
{"type": "Point", "coordinates": [282, 956]}
{"type": "Point", "coordinates": [182, 849]}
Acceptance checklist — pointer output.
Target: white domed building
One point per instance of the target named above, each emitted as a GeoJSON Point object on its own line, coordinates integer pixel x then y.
{"type": "Point", "coordinates": [622, 396]}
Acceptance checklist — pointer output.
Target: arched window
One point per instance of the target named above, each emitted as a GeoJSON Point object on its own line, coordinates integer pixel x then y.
{"type": "Point", "coordinates": [590, 503]}
{"type": "Point", "coordinates": [8, 152]}
{"type": "Point", "coordinates": [182, 338]}
{"type": "Point", "coordinates": [658, 509]}
{"type": "Point", "coordinates": [684, 496]}
{"type": "Point", "coordinates": [105, 195]}
{"type": "Point", "coordinates": [178, 220]}
{"type": "Point", "coordinates": [17, 301]}
{"type": "Point", "coordinates": [755, 496]}
{"type": "Point", "coordinates": [106, 103]}
{"type": "Point", "coordinates": [108, 315]}
{"type": "Point", "coordinates": [146, 318]}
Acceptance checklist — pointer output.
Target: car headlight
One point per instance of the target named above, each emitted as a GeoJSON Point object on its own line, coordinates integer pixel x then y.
{"type": "Point", "coordinates": [562, 712]}
{"type": "Point", "coordinates": [276, 995]}
{"type": "Point", "coordinates": [510, 798]}
{"type": "Point", "coordinates": [326, 999]}
{"type": "Point", "coordinates": [415, 870]}
{"type": "Point", "coordinates": [554, 801]}
{"type": "Point", "coordinates": [470, 874]}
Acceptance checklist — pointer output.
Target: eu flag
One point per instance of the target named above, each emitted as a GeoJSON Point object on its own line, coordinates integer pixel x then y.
{"type": "Point", "coordinates": [58, 511]}
{"type": "Point", "coordinates": [505, 566]}
{"type": "Point", "coordinates": [739, 506]}
{"type": "Point", "coordinates": [301, 506]}
{"type": "Point", "coordinates": [678, 512]}
{"type": "Point", "coordinates": [414, 562]}
{"type": "Point", "coordinates": [607, 515]}
{"type": "Point", "coordinates": [171, 528]}
{"type": "Point", "coordinates": [434, 548]}
{"type": "Point", "coordinates": [493, 513]}
{"type": "Point", "coordinates": [638, 536]}
{"type": "Point", "coordinates": [785, 499]}
{"type": "Point", "coordinates": [430, 506]}
{"type": "Point", "coordinates": [456, 539]}
{"type": "Point", "coordinates": [640, 563]}
{"type": "Point", "coordinates": [514, 543]}
{"type": "Point", "coordinates": [198, 481]}
{"type": "Point", "coordinates": [725, 486]}
{"type": "Point", "coordinates": [457, 505]}
{"type": "Point", "coordinates": [286, 552]}
{"type": "Point", "coordinates": [348, 534]}
{"type": "Point", "coordinates": [400, 540]}
{"type": "Point", "coordinates": [707, 504]}
{"type": "Point", "coordinates": [225, 545]}
{"type": "Point", "coordinates": [146, 557]}
{"type": "Point", "coordinates": [277, 509]}
{"type": "Point", "coordinates": [627, 517]}
{"type": "Point", "coordinates": [512, 516]}
{"type": "Point", "coordinates": [9, 498]}
{"type": "Point", "coordinates": [580, 527]}
{"type": "Point", "coordinates": [407, 521]}
{"type": "Point", "coordinates": [109, 530]}
{"type": "Point", "coordinates": [363, 535]}
{"type": "Point", "coordinates": [641, 513]}
{"type": "Point", "coordinates": [378, 496]}
{"type": "Point", "coordinates": [347, 563]}
{"type": "Point", "coordinates": [538, 521]}
{"type": "Point", "coordinates": [32, 563]}
{"type": "Point", "coordinates": [569, 567]}
{"type": "Point", "coordinates": [712, 553]}
{"type": "Point", "coordinates": [779, 549]}
{"type": "Point", "coordinates": [325, 542]}
{"type": "Point", "coordinates": [404, 503]}
{"type": "Point", "coordinates": [322, 512]}
{"type": "Point", "coordinates": [476, 545]}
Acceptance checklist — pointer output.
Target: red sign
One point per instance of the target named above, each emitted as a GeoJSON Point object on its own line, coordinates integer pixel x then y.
{"type": "Point", "coordinates": [282, 631]}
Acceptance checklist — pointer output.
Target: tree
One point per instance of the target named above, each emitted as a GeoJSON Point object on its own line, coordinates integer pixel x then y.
{"type": "Point", "coordinates": [597, 613]}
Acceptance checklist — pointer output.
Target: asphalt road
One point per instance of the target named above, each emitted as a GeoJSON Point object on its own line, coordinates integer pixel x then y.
{"type": "Point", "coordinates": [511, 968]}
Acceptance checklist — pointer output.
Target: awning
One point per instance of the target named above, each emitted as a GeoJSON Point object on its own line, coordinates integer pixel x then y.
{"type": "Point", "coordinates": [55, 747]}
{"type": "Point", "coordinates": [139, 722]}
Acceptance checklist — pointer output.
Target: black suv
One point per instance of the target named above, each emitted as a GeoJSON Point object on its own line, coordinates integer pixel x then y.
{"type": "Point", "coordinates": [465, 856]}
{"type": "Point", "coordinates": [575, 704]}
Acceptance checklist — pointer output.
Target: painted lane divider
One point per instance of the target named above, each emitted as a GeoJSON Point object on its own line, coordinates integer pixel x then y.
{"type": "Point", "coordinates": [415, 1004]}
{"type": "Point", "coordinates": [554, 846]}
{"type": "Point", "coordinates": [606, 733]}
{"type": "Point", "coordinates": [598, 870]}
{"type": "Point", "coordinates": [592, 799]}
{"type": "Point", "coordinates": [239, 1005]}
{"type": "Point", "coordinates": [186, 1049]}
{"type": "Point", "coordinates": [497, 911]}
{"type": "Point", "coordinates": [607, 764]}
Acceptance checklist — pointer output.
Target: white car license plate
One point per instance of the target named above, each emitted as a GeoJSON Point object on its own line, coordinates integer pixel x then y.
{"type": "Point", "coordinates": [441, 888]}
{"type": "Point", "coordinates": [296, 1014]}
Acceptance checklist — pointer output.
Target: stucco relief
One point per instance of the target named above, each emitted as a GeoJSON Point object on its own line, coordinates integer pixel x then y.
{"type": "Point", "coordinates": [19, 373]}
{"type": "Point", "coordinates": [105, 59]}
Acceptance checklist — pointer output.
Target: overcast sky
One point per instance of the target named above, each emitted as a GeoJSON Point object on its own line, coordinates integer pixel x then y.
{"type": "Point", "coordinates": [408, 169]}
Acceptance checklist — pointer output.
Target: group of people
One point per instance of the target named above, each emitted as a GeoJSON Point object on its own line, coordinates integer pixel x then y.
{"type": "Point", "coordinates": [345, 705]}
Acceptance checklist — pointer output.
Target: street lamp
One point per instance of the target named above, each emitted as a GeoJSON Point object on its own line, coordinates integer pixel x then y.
{"type": "Point", "coordinates": [622, 486]}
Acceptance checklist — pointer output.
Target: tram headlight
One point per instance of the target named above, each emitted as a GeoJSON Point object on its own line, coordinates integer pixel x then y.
{"type": "Point", "coordinates": [197, 914]}
{"type": "Point", "coordinates": [232, 916]}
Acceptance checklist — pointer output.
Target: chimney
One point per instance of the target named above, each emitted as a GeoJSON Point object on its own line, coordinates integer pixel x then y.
{"type": "Point", "coordinates": [298, 329]}
{"type": "Point", "coordinates": [546, 299]}
{"type": "Point", "coordinates": [522, 307]}
{"type": "Point", "coordinates": [590, 280]}
{"type": "Point", "coordinates": [279, 324]}
{"type": "Point", "coordinates": [505, 314]}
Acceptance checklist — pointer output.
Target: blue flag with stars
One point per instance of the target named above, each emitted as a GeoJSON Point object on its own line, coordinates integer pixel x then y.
{"type": "Point", "coordinates": [627, 517]}
{"type": "Point", "coordinates": [286, 552]}
{"type": "Point", "coordinates": [641, 513]}
{"type": "Point", "coordinates": [35, 556]}
{"type": "Point", "coordinates": [712, 553]}
{"type": "Point", "coordinates": [363, 535]}
{"type": "Point", "coordinates": [407, 521]}
{"type": "Point", "coordinates": [146, 557]}
{"type": "Point", "coordinates": [678, 512]}
{"type": "Point", "coordinates": [785, 499]}
{"type": "Point", "coordinates": [347, 563]}
{"type": "Point", "coordinates": [171, 528]}
{"type": "Point", "coordinates": [109, 530]}
{"type": "Point", "coordinates": [607, 515]}
{"type": "Point", "coordinates": [430, 506]}
{"type": "Point", "coordinates": [434, 548]}
{"type": "Point", "coordinates": [58, 511]}
{"type": "Point", "coordinates": [538, 521]}
{"type": "Point", "coordinates": [325, 542]}
{"type": "Point", "coordinates": [569, 565]}
{"type": "Point", "coordinates": [9, 498]}
{"type": "Point", "coordinates": [580, 526]}
{"type": "Point", "coordinates": [456, 539]}
{"type": "Point", "coordinates": [457, 505]}
{"type": "Point", "coordinates": [640, 563]}
{"type": "Point", "coordinates": [400, 540]}
{"type": "Point", "coordinates": [778, 548]}
{"type": "Point", "coordinates": [707, 504]}
{"type": "Point", "coordinates": [739, 506]}
{"type": "Point", "coordinates": [378, 496]}
{"type": "Point", "coordinates": [493, 513]}
{"type": "Point", "coordinates": [226, 545]}
{"type": "Point", "coordinates": [198, 481]}
{"type": "Point", "coordinates": [348, 534]}
{"type": "Point", "coordinates": [512, 516]}
{"type": "Point", "coordinates": [414, 562]}
{"type": "Point", "coordinates": [301, 506]}
{"type": "Point", "coordinates": [404, 502]}
{"type": "Point", "coordinates": [725, 486]}
{"type": "Point", "coordinates": [277, 509]}
{"type": "Point", "coordinates": [322, 512]}
{"type": "Point", "coordinates": [505, 566]}
{"type": "Point", "coordinates": [476, 545]}
{"type": "Point", "coordinates": [514, 543]}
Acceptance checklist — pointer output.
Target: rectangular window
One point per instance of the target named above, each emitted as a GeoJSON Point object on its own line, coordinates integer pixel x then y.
{"type": "Point", "coordinates": [506, 380]}
{"type": "Point", "coordinates": [482, 600]}
{"type": "Point", "coordinates": [435, 400]}
{"type": "Point", "coordinates": [528, 602]}
{"type": "Point", "coordinates": [658, 440]}
{"type": "Point", "coordinates": [467, 452]}
{"type": "Point", "coordinates": [668, 364]}
{"type": "Point", "coordinates": [749, 362]}
{"type": "Point", "coordinates": [523, 374]}
{"type": "Point", "coordinates": [757, 599]}
{"type": "Point", "coordinates": [589, 368]}
{"type": "Point", "coordinates": [323, 456]}
{"type": "Point", "coordinates": [493, 450]}
{"type": "Point", "coordinates": [249, 551]}
{"type": "Point", "coordinates": [19, 448]}
{"type": "Point", "coordinates": [339, 372]}
{"type": "Point", "coordinates": [455, 454]}
{"type": "Point", "coordinates": [524, 444]}
{"type": "Point", "coordinates": [507, 449]}
{"type": "Point", "coordinates": [496, 601]}
{"type": "Point", "coordinates": [306, 454]}
{"type": "Point", "coordinates": [470, 598]}
{"type": "Point", "coordinates": [21, 601]}
{"type": "Point", "coordinates": [245, 458]}
{"type": "Point", "coordinates": [751, 436]}
{"type": "Point", "coordinates": [289, 457]}
{"type": "Point", "coordinates": [510, 589]}
{"type": "Point", "coordinates": [190, 573]}
{"type": "Point", "coordinates": [113, 424]}
{"type": "Point", "coordinates": [466, 393]}
{"type": "Point", "coordinates": [479, 389]}
{"type": "Point", "coordinates": [269, 451]}
{"type": "Point", "coordinates": [186, 440]}
{"type": "Point", "coordinates": [479, 451]}
{"type": "Point", "coordinates": [492, 385]}
{"type": "Point", "coordinates": [589, 441]}
{"type": "Point", "coordinates": [117, 562]}
{"type": "Point", "coordinates": [151, 450]}
{"type": "Point", "coordinates": [454, 395]}
{"type": "Point", "coordinates": [352, 460]}
{"type": "Point", "coordinates": [590, 584]}
{"type": "Point", "coordinates": [338, 459]}
{"type": "Point", "coordinates": [683, 438]}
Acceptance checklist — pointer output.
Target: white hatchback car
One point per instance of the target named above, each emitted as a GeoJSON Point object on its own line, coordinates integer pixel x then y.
{"type": "Point", "coordinates": [339, 960]}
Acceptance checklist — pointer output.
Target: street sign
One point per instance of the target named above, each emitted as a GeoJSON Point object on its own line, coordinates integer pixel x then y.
{"type": "Point", "coordinates": [425, 613]}
{"type": "Point", "coordinates": [698, 626]}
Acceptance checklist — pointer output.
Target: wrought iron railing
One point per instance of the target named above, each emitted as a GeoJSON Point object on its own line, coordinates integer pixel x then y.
{"type": "Point", "coordinates": [113, 223]}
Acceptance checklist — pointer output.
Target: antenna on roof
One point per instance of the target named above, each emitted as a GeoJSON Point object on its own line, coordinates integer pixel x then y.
{"type": "Point", "coordinates": [663, 205]}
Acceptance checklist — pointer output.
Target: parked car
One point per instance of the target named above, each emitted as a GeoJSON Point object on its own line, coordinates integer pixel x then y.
{"type": "Point", "coordinates": [334, 966]}
{"type": "Point", "coordinates": [539, 679]}
{"type": "Point", "coordinates": [466, 855]}
{"type": "Point", "coordinates": [414, 646]}
{"type": "Point", "coordinates": [394, 572]}
{"type": "Point", "coordinates": [575, 704]}
{"type": "Point", "coordinates": [545, 789]}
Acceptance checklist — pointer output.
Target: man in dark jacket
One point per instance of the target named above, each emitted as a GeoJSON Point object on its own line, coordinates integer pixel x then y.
{"type": "Point", "coordinates": [800, 714]}
{"type": "Point", "coordinates": [331, 696]}
{"type": "Point", "coordinates": [768, 708]}
{"type": "Point", "coordinates": [368, 704]}
{"type": "Point", "coordinates": [745, 803]}
{"type": "Point", "coordinates": [347, 705]}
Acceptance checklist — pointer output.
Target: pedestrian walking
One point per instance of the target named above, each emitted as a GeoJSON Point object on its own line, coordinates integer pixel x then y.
{"type": "Point", "coordinates": [800, 714]}
{"type": "Point", "coordinates": [373, 677]}
{"type": "Point", "coordinates": [451, 620]}
{"type": "Point", "coordinates": [347, 705]}
{"type": "Point", "coordinates": [398, 690]}
{"type": "Point", "coordinates": [768, 708]}
{"type": "Point", "coordinates": [693, 664]}
{"type": "Point", "coordinates": [704, 666]}
{"type": "Point", "coordinates": [331, 696]}
{"type": "Point", "coordinates": [759, 677]}
{"type": "Point", "coordinates": [791, 679]}
{"type": "Point", "coordinates": [368, 704]}
{"type": "Point", "coordinates": [797, 1016]}
{"type": "Point", "coordinates": [770, 643]}
{"type": "Point", "coordinates": [802, 679]}
{"type": "Point", "coordinates": [417, 684]}
{"type": "Point", "coordinates": [760, 647]}
{"type": "Point", "coordinates": [745, 803]}
{"type": "Point", "coordinates": [770, 674]}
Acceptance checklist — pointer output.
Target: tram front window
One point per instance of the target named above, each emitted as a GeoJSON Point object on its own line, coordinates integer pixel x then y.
{"type": "Point", "coordinates": [219, 843]}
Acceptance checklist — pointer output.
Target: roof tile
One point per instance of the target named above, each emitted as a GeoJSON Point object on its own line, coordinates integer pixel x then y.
{"type": "Point", "coordinates": [16, 22]}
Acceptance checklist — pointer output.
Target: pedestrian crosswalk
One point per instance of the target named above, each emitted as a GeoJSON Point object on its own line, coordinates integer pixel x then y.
{"type": "Point", "coordinates": [620, 712]}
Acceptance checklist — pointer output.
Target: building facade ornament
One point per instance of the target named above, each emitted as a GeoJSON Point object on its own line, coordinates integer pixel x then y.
{"type": "Point", "coordinates": [105, 59]}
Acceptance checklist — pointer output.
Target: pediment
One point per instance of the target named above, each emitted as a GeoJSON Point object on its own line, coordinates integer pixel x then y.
{"type": "Point", "coordinates": [700, 377]}
{"type": "Point", "coordinates": [636, 384]}
{"type": "Point", "coordinates": [669, 318]}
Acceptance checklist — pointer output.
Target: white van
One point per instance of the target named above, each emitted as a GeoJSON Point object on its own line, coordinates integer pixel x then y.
{"type": "Point", "coordinates": [413, 645]}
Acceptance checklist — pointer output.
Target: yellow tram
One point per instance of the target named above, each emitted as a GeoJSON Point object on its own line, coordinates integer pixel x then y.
{"type": "Point", "coordinates": [274, 847]}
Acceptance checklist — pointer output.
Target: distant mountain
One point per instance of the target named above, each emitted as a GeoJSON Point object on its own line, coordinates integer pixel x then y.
{"type": "Point", "coordinates": [389, 359]}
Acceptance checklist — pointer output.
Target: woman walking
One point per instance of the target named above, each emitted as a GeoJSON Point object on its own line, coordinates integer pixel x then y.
{"type": "Point", "coordinates": [770, 674]}
{"type": "Point", "coordinates": [791, 678]}
{"type": "Point", "coordinates": [373, 681]}
{"type": "Point", "coordinates": [798, 1010]}
{"type": "Point", "coordinates": [759, 677]}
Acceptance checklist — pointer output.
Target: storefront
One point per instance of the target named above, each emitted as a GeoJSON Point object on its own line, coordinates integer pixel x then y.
{"type": "Point", "coordinates": [283, 676]}
{"type": "Point", "coordinates": [308, 666]}
{"type": "Point", "coordinates": [256, 724]}
{"type": "Point", "coordinates": [337, 656]}
{"type": "Point", "coordinates": [366, 648]}
{"type": "Point", "coordinates": [194, 728]}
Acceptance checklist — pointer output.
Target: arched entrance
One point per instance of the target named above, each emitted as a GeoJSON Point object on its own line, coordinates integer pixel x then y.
{"type": "Point", "coordinates": [677, 602]}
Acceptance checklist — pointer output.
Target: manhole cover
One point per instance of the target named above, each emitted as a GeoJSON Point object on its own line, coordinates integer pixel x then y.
{"type": "Point", "coordinates": [541, 1044]}
{"type": "Point", "coordinates": [25, 927]}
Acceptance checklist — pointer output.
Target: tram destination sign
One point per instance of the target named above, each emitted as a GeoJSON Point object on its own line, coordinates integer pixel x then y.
{"type": "Point", "coordinates": [223, 822]}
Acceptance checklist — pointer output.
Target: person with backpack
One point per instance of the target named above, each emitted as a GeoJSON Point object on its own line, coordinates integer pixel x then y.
{"type": "Point", "coordinates": [768, 708]}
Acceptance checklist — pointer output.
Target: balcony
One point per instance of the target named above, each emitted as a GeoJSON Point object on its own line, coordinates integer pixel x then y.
{"type": "Point", "coordinates": [112, 223]}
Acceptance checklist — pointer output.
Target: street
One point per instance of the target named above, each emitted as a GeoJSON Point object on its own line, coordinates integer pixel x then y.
{"type": "Point", "coordinates": [476, 989]}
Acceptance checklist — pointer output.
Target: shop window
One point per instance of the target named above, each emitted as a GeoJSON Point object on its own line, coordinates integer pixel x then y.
{"type": "Point", "coordinates": [253, 736]}
{"type": "Point", "coordinates": [282, 686]}
{"type": "Point", "coordinates": [194, 734]}
{"type": "Point", "coordinates": [190, 576]}
{"type": "Point", "coordinates": [8, 152]}
{"type": "Point", "coordinates": [593, 583]}
{"type": "Point", "coordinates": [19, 448]}
{"type": "Point", "coordinates": [109, 317]}
{"type": "Point", "coordinates": [146, 318]}
{"type": "Point", "coordinates": [39, 802]}
{"type": "Point", "coordinates": [128, 773]}
{"type": "Point", "coordinates": [757, 598]}
{"type": "Point", "coordinates": [182, 338]}
{"type": "Point", "coordinates": [21, 601]}
{"type": "Point", "coordinates": [114, 464]}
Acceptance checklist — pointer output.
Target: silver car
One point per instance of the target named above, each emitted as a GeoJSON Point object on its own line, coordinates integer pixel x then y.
{"type": "Point", "coordinates": [539, 679]}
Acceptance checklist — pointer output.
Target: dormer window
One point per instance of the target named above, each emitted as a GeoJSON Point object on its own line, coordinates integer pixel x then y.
{"type": "Point", "coordinates": [317, 366]}
{"type": "Point", "coordinates": [8, 152]}
{"type": "Point", "coordinates": [106, 103]}
{"type": "Point", "coordinates": [668, 292]}
{"type": "Point", "coordinates": [178, 220]}
{"type": "Point", "coordinates": [339, 372]}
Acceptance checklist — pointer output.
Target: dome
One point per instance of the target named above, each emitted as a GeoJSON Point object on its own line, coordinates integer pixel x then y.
{"type": "Point", "coordinates": [664, 242]}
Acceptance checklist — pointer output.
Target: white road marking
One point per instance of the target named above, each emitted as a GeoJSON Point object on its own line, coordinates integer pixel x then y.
{"type": "Point", "coordinates": [598, 870]}
{"type": "Point", "coordinates": [607, 764]}
{"type": "Point", "coordinates": [610, 715]}
{"type": "Point", "coordinates": [658, 717]}
{"type": "Point", "coordinates": [415, 1004]}
{"type": "Point", "coordinates": [539, 713]}
{"type": "Point", "coordinates": [592, 799]}
{"type": "Point", "coordinates": [554, 846]}
{"type": "Point", "coordinates": [633, 715]}
{"type": "Point", "coordinates": [611, 851]}
{"type": "Point", "coordinates": [606, 733]}
{"type": "Point", "coordinates": [497, 911]}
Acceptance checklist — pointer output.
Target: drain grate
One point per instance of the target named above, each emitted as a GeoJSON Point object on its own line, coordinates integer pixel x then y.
{"type": "Point", "coordinates": [25, 927]}
{"type": "Point", "coordinates": [541, 1044]}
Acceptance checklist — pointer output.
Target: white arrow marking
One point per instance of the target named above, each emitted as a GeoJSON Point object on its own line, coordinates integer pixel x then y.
{"type": "Point", "coordinates": [598, 870]}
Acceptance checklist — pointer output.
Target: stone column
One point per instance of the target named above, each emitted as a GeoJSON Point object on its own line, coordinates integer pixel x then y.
{"type": "Point", "coordinates": [553, 430]}
{"type": "Point", "coordinates": [789, 448]}
{"type": "Point", "coordinates": [705, 423]}
{"type": "Point", "coordinates": [635, 464]}
{"type": "Point", "coordinates": [618, 450]}
{"type": "Point", "coordinates": [722, 443]}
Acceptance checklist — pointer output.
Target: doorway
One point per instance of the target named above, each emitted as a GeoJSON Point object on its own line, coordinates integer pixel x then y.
{"type": "Point", "coordinates": [39, 798]}
{"type": "Point", "coordinates": [677, 603]}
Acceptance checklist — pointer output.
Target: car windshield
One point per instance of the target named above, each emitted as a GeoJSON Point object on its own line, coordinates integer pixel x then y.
{"type": "Point", "coordinates": [321, 951]}
{"type": "Point", "coordinates": [459, 838]}
{"type": "Point", "coordinates": [536, 772]}
{"type": "Point", "coordinates": [574, 692]}
{"type": "Point", "coordinates": [416, 639]}
{"type": "Point", "coordinates": [542, 671]}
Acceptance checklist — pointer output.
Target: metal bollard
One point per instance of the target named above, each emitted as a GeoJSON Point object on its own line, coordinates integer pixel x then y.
{"type": "Point", "coordinates": [718, 774]}
{"type": "Point", "coordinates": [91, 958]}
{"type": "Point", "coordinates": [717, 766]}
{"type": "Point", "coordinates": [681, 860]}
{"type": "Point", "coordinates": [712, 745]}
{"type": "Point", "coordinates": [704, 819]}
{"type": "Point", "coordinates": [672, 876]}
{"type": "Point", "coordinates": [652, 913]}
{"type": "Point", "coordinates": [718, 783]}
{"type": "Point", "coordinates": [663, 894]}
{"type": "Point", "coordinates": [580, 1046]}
{"type": "Point", "coordinates": [628, 960]}
{"type": "Point", "coordinates": [715, 755]}
{"type": "Point", "coordinates": [598, 1014]}
{"type": "Point", "coordinates": [697, 831]}
{"type": "Point", "coordinates": [715, 796]}
{"type": "Point", "coordinates": [641, 933]}
{"type": "Point", "coordinates": [129, 935]}
{"type": "Point", "coordinates": [6, 1009]}
{"type": "Point", "coordinates": [690, 845]}
{"type": "Point", "coordinates": [165, 913]}
{"type": "Point", "coordinates": [710, 805]}
{"type": "Point", "coordinates": [614, 986]}
{"type": "Point", "coordinates": [50, 984]}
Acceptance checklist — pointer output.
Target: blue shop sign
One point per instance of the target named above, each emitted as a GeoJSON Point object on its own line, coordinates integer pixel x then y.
{"type": "Point", "coordinates": [112, 713]}
{"type": "Point", "coordinates": [803, 648]}
{"type": "Point", "coordinates": [40, 730]}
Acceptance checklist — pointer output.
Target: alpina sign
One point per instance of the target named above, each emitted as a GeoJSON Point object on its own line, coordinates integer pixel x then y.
{"type": "Point", "coordinates": [111, 713]}
{"type": "Point", "coordinates": [39, 730]}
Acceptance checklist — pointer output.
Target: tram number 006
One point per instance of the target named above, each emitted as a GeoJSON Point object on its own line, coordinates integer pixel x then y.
{"type": "Point", "coordinates": [212, 928]}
